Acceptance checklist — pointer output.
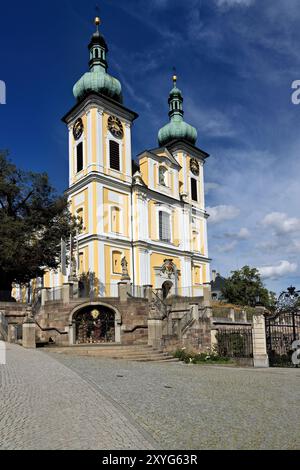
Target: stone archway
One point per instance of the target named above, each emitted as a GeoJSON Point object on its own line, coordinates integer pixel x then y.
{"type": "Point", "coordinates": [94, 323]}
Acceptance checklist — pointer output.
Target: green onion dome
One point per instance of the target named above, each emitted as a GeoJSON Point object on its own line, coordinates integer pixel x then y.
{"type": "Point", "coordinates": [177, 128]}
{"type": "Point", "coordinates": [97, 79]}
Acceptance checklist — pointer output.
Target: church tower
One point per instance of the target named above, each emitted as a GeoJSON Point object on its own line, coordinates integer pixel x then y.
{"type": "Point", "coordinates": [150, 226]}
{"type": "Point", "coordinates": [170, 241]}
{"type": "Point", "coordinates": [100, 169]}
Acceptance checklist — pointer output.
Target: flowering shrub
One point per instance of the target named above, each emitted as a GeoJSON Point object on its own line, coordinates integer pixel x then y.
{"type": "Point", "coordinates": [199, 358]}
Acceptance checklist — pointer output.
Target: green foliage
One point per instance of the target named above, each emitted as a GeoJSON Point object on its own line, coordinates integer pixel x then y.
{"type": "Point", "coordinates": [244, 286]}
{"type": "Point", "coordinates": [33, 219]}
{"type": "Point", "coordinates": [200, 358]}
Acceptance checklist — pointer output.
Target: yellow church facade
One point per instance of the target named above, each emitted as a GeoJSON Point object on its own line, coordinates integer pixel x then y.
{"type": "Point", "coordinates": [148, 211]}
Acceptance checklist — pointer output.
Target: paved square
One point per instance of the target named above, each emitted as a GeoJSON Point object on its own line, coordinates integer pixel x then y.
{"type": "Point", "coordinates": [54, 401]}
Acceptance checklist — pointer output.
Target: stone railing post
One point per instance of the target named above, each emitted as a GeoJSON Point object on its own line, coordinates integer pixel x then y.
{"type": "Point", "coordinates": [67, 292]}
{"type": "Point", "coordinates": [28, 330]}
{"type": "Point", "coordinates": [231, 315]}
{"type": "Point", "coordinates": [75, 289]}
{"type": "Point", "coordinates": [244, 316]}
{"type": "Point", "coordinates": [11, 333]}
{"type": "Point", "coordinates": [195, 311]}
{"type": "Point", "coordinates": [148, 292]}
{"type": "Point", "coordinates": [155, 332]}
{"type": "Point", "coordinates": [44, 296]}
{"type": "Point", "coordinates": [260, 355]}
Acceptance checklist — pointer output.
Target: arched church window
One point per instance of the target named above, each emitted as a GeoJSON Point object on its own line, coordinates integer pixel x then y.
{"type": "Point", "coordinates": [116, 262]}
{"type": "Point", "coordinates": [97, 53]}
{"type": "Point", "coordinates": [79, 157]}
{"type": "Point", "coordinates": [164, 227]}
{"type": "Point", "coordinates": [114, 155]}
{"type": "Point", "coordinates": [115, 219]}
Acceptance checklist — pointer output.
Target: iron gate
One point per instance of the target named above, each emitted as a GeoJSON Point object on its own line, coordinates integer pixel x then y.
{"type": "Point", "coordinates": [283, 329]}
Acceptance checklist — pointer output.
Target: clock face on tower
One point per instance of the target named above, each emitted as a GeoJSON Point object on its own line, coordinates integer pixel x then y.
{"type": "Point", "coordinates": [194, 165]}
{"type": "Point", "coordinates": [78, 129]}
{"type": "Point", "coordinates": [115, 127]}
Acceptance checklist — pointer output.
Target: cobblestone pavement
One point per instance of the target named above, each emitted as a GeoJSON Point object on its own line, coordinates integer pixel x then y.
{"type": "Point", "coordinates": [45, 405]}
{"type": "Point", "coordinates": [201, 407]}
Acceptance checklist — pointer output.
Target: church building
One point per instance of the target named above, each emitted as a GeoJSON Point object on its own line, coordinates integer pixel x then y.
{"type": "Point", "coordinates": [144, 215]}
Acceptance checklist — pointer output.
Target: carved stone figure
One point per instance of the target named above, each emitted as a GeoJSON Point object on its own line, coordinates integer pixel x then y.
{"type": "Point", "coordinates": [125, 274]}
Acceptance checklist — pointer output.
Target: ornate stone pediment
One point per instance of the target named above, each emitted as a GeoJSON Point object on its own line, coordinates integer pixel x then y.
{"type": "Point", "coordinates": [169, 268]}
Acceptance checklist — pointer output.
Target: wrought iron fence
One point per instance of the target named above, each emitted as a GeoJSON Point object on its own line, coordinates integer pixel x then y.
{"type": "Point", "coordinates": [235, 342]}
{"type": "Point", "coordinates": [283, 328]}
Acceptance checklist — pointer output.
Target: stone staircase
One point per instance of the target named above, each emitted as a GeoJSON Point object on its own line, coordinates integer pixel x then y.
{"type": "Point", "coordinates": [137, 353]}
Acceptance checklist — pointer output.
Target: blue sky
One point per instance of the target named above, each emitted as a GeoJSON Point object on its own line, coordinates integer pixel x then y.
{"type": "Point", "coordinates": [236, 61]}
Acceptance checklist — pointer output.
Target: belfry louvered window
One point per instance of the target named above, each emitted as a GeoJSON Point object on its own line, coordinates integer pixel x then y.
{"type": "Point", "coordinates": [164, 227]}
{"type": "Point", "coordinates": [194, 189]}
{"type": "Point", "coordinates": [114, 155]}
{"type": "Point", "coordinates": [79, 157]}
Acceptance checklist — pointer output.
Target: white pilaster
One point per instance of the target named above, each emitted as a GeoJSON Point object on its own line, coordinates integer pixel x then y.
{"type": "Point", "coordinates": [127, 171]}
{"type": "Point", "coordinates": [100, 210]}
{"type": "Point", "coordinates": [89, 139]}
{"type": "Point", "coordinates": [99, 139]}
{"type": "Point", "coordinates": [90, 209]}
{"type": "Point", "coordinates": [71, 156]}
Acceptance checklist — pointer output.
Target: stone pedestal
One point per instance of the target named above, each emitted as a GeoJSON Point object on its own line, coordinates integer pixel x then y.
{"type": "Point", "coordinates": [123, 288]}
{"type": "Point", "coordinates": [67, 292]}
{"type": "Point", "coordinates": [29, 334]}
{"type": "Point", "coordinates": [260, 355]}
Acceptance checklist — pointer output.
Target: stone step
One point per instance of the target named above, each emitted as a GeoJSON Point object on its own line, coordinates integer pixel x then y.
{"type": "Point", "coordinates": [130, 353]}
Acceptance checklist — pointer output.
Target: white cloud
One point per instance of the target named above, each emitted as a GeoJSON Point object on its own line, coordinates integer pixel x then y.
{"type": "Point", "coordinates": [211, 186]}
{"type": "Point", "coordinates": [273, 272]}
{"type": "Point", "coordinates": [243, 234]}
{"type": "Point", "coordinates": [212, 122]}
{"type": "Point", "coordinates": [281, 223]}
{"type": "Point", "coordinates": [227, 247]}
{"type": "Point", "coordinates": [221, 213]}
{"type": "Point", "coordinates": [232, 3]}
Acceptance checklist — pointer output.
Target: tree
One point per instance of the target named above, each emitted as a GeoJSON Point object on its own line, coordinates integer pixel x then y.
{"type": "Point", "coordinates": [33, 219]}
{"type": "Point", "coordinates": [245, 287]}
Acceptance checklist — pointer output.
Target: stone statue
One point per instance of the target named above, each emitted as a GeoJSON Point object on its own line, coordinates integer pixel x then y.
{"type": "Point", "coordinates": [125, 274]}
